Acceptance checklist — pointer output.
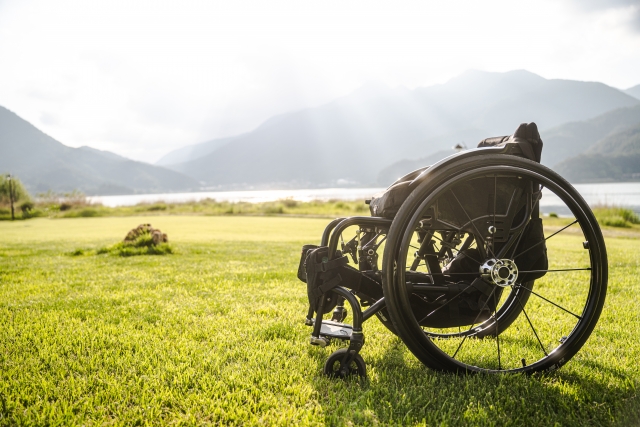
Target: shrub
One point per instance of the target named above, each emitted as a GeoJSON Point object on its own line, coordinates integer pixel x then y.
{"type": "Point", "coordinates": [273, 210]}
{"type": "Point", "coordinates": [124, 249]}
{"type": "Point", "coordinates": [614, 221]}
{"type": "Point", "coordinates": [615, 216]}
{"type": "Point", "coordinates": [142, 245]}
{"type": "Point", "coordinates": [83, 213]}
{"type": "Point", "coordinates": [157, 207]}
{"type": "Point", "coordinates": [289, 203]}
{"type": "Point", "coordinates": [553, 215]}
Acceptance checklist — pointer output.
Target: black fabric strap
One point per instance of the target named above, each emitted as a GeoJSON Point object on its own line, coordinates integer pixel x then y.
{"type": "Point", "coordinates": [327, 286]}
{"type": "Point", "coordinates": [334, 263]}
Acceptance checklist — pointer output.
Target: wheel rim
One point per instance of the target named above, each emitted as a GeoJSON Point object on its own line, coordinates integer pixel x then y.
{"type": "Point", "coordinates": [551, 322]}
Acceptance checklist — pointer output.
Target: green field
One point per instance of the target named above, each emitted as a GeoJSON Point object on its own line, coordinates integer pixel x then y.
{"type": "Point", "coordinates": [214, 334]}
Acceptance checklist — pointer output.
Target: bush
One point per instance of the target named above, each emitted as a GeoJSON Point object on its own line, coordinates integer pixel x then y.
{"type": "Point", "coordinates": [157, 207]}
{"type": "Point", "coordinates": [289, 203]}
{"type": "Point", "coordinates": [27, 209]}
{"type": "Point", "coordinates": [82, 213]}
{"type": "Point", "coordinates": [125, 249]}
{"type": "Point", "coordinates": [273, 210]}
{"type": "Point", "coordinates": [613, 216]}
{"type": "Point", "coordinates": [553, 215]}
{"type": "Point", "coordinates": [614, 221]}
{"type": "Point", "coordinates": [142, 245]}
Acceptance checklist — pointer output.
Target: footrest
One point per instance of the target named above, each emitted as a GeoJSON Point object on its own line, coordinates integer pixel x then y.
{"type": "Point", "coordinates": [337, 330]}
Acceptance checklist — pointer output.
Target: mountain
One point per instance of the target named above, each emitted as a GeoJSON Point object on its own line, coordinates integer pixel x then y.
{"type": "Point", "coordinates": [614, 158]}
{"type": "Point", "coordinates": [108, 154]}
{"type": "Point", "coordinates": [598, 168]}
{"type": "Point", "coordinates": [388, 175]}
{"type": "Point", "coordinates": [42, 164]}
{"type": "Point", "coordinates": [633, 91]}
{"type": "Point", "coordinates": [192, 152]}
{"type": "Point", "coordinates": [620, 143]}
{"type": "Point", "coordinates": [353, 138]}
{"type": "Point", "coordinates": [567, 140]}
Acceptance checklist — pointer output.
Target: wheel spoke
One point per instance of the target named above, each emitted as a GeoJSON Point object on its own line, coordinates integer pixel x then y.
{"type": "Point", "coordinates": [457, 251]}
{"type": "Point", "coordinates": [472, 223]}
{"type": "Point", "coordinates": [550, 302]}
{"type": "Point", "coordinates": [495, 197]}
{"type": "Point", "coordinates": [521, 232]}
{"type": "Point", "coordinates": [531, 324]}
{"type": "Point", "coordinates": [555, 271]}
{"type": "Point", "coordinates": [546, 238]}
{"type": "Point", "coordinates": [495, 308]}
{"type": "Point", "coordinates": [474, 323]}
{"type": "Point", "coordinates": [446, 303]}
{"type": "Point", "coordinates": [449, 274]}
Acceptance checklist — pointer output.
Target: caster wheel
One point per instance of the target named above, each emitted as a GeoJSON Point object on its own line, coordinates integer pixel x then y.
{"type": "Point", "coordinates": [339, 315]}
{"type": "Point", "coordinates": [334, 368]}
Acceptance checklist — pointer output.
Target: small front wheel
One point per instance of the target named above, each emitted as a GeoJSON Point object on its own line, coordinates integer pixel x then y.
{"type": "Point", "coordinates": [335, 368]}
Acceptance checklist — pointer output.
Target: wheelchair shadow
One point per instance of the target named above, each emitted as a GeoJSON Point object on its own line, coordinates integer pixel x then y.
{"type": "Point", "coordinates": [400, 390]}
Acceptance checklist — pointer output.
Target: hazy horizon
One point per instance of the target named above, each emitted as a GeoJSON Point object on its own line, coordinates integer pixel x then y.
{"type": "Point", "coordinates": [143, 79]}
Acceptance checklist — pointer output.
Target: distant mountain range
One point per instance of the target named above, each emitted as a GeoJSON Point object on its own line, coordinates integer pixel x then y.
{"type": "Point", "coordinates": [43, 164]}
{"type": "Point", "coordinates": [369, 137]}
{"type": "Point", "coordinates": [616, 157]}
{"type": "Point", "coordinates": [633, 91]}
{"type": "Point", "coordinates": [570, 148]}
{"type": "Point", "coordinates": [352, 139]}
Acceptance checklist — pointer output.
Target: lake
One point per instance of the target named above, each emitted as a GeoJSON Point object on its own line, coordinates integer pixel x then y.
{"type": "Point", "coordinates": [616, 193]}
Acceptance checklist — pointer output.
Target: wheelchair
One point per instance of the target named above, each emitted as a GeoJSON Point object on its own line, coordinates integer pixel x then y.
{"type": "Point", "coordinates": [456, 261]}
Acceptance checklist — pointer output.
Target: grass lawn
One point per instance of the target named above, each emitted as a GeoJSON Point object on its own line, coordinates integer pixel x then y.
{"type": "Point", "coordinates": [214, 334]}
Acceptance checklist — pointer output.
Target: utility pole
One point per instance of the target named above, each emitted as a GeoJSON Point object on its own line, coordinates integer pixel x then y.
{"type": "Point", "coordinates": [13, 216]}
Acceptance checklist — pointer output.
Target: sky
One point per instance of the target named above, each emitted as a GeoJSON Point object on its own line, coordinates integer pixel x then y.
{"type": "Point", "coordinates": [141, 78]}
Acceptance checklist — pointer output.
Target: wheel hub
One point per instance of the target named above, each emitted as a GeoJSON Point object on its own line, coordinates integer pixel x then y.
{"type": "Point", "coordinates": [500, 272]}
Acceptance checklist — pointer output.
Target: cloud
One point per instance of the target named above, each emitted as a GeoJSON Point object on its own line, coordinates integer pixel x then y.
{"type": "Point", "coordinates": [142, 78]}
{"type": "Point", "coordinates": [624, 12]}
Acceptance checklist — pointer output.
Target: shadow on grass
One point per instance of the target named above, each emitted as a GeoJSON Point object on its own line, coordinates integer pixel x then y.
{"type": "Point", "coordinates": [400, 390]}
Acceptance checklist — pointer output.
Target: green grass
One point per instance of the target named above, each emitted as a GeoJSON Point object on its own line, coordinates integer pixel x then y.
{"type": "Point", "coordinates": [80, 208]}
{"type": "Point", "coordinates": [213, 334]}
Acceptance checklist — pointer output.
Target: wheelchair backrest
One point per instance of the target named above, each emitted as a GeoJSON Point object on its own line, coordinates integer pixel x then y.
{"type": "Point", "coordinates": [525, 142]}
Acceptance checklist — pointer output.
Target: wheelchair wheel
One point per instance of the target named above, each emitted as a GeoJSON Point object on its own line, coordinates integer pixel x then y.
{"type": "Point", "coordinates": [334, 367]}
{"type": "Point", "coordinates": [495, 198]}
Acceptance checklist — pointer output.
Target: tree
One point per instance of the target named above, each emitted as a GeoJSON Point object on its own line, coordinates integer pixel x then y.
{"type": "Point", "coordinates": [12, 191]}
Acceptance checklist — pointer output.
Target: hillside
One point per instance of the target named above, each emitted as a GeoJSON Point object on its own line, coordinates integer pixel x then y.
{"type": "Point", "coordinates": [389, 174]}
{"type": "Point", "coordinates": [192, 152]}
{"type": "Point", "coordinates": [633, 91]}
{"type": "Point", "coordinates": [619, 144]}
{"type": "Point", "coordinates": [615, 132]}
{"type": "Point", "coordinates": [43, 163]}
{"type": "Point", "coordinates": [614, 158]}
{"type": "Point", "coordinates": [567, 140]}
{"type": "Point", "coordinates": [353, 138]}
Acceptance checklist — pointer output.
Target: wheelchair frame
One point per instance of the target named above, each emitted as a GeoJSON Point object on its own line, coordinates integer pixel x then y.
{"type": "Point", "coordinates": [420, 216]}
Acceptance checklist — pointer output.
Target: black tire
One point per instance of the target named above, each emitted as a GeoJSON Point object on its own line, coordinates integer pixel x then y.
{"type": "Point", "coordinates": [333, 367]}
{"type": "Point", "coordinates": [581, 298]}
